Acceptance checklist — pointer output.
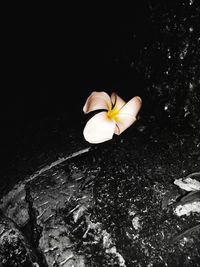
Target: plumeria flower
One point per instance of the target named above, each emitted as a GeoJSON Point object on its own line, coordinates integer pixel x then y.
{"type": "Point", "coordinates": [115, 116]}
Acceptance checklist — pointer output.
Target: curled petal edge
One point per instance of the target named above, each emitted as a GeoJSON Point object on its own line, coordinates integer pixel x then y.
{"type": "Point", "coordinates": [127, 115]}
{"type": "Point", "coordinates": [97, 101]}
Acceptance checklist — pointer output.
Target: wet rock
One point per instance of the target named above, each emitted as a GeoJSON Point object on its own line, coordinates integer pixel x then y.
{"type": "Point", "coordinates": [189, 183]}
{"type": "Point", "coordinates": [111, 205]}
{"type": "Point", "coordinates": [14, 248]}
{"type": "Point", "coordinates": [167, 64]}
{"type": "Point", "coordinates": [190, 202]}
{"type": "Point", "coordinates": [188, 208]}
{"type": "Point", "coordinates": [14, 205]}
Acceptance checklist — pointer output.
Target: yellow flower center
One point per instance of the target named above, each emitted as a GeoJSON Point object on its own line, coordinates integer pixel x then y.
{"type": "Point", "coordinates": [112, 113]}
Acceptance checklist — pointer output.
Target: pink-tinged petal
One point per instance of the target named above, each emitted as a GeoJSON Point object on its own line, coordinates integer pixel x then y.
{"type": "Point", "coordinates": [125, 122]}
{"type": "Point", "coordinates": [127, 115]}
{"type": "Point", "coordinates": [99, 128]}
{"type": "Point", "coordinates": [97, 100]}
{"type": "Point", "coordinates": [118, 101]}
{"type": "Point", "coordinates": [132, 107]}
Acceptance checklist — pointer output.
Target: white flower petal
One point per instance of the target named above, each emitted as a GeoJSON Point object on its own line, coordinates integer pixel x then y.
{"type": "Point", "coordinates": [118, 101]}
{"type": "Point", "coordinates": [99, 128]}
{"type": "Point", "coordinates": [97, 100]}
{"type": "Point", "coordinates": [127, 114]}
{"type": "Point", "coordinates": [125, 122]}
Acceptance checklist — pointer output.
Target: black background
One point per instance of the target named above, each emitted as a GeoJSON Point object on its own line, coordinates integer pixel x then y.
{"type": "Point", "coordinates": [52, 59]}
{"type": "Point", "coordinates": [53, 62]}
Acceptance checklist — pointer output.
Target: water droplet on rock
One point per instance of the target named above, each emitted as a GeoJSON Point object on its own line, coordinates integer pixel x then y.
{"type": "Point", "coordinates": [166, 107]}
{"type": "Point", "coordinates": [191, 2]}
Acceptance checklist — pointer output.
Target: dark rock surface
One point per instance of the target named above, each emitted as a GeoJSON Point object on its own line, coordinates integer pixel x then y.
{"type": "Point", "coordinates": [113, 204]}
{"type": "Point", "coordinates": [14, 249]}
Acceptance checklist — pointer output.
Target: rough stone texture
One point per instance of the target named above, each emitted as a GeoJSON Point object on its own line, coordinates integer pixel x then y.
{"type": "Point", "coordinates": [162, 62]}
{"type": "Point", "coordinates": [14, 248]}
{"type": "Point", "coordinates": [114, 206]}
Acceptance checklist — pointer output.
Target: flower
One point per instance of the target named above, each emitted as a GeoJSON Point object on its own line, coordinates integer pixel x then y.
{"type": "Point", "coordinates": [115, 116]}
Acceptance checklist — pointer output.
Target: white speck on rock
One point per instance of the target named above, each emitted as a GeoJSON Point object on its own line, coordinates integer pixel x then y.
{"type": "Point", "coordinates": [79, 213]}
{"type": "Point", "coordinates": [111, 249]}
{"type": "Point", "coordinates": [166, 107]}
{"type": "Point", "coordinates": [136, 222]}
{"type": "Point", "coordinates": [132, 213]}
{"type": "Point", "coordinates": [107, 241]}
{"type": "Point", "coordinates": [191, 2]}
{"type": "Point", "coordinates": [121, 260]}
